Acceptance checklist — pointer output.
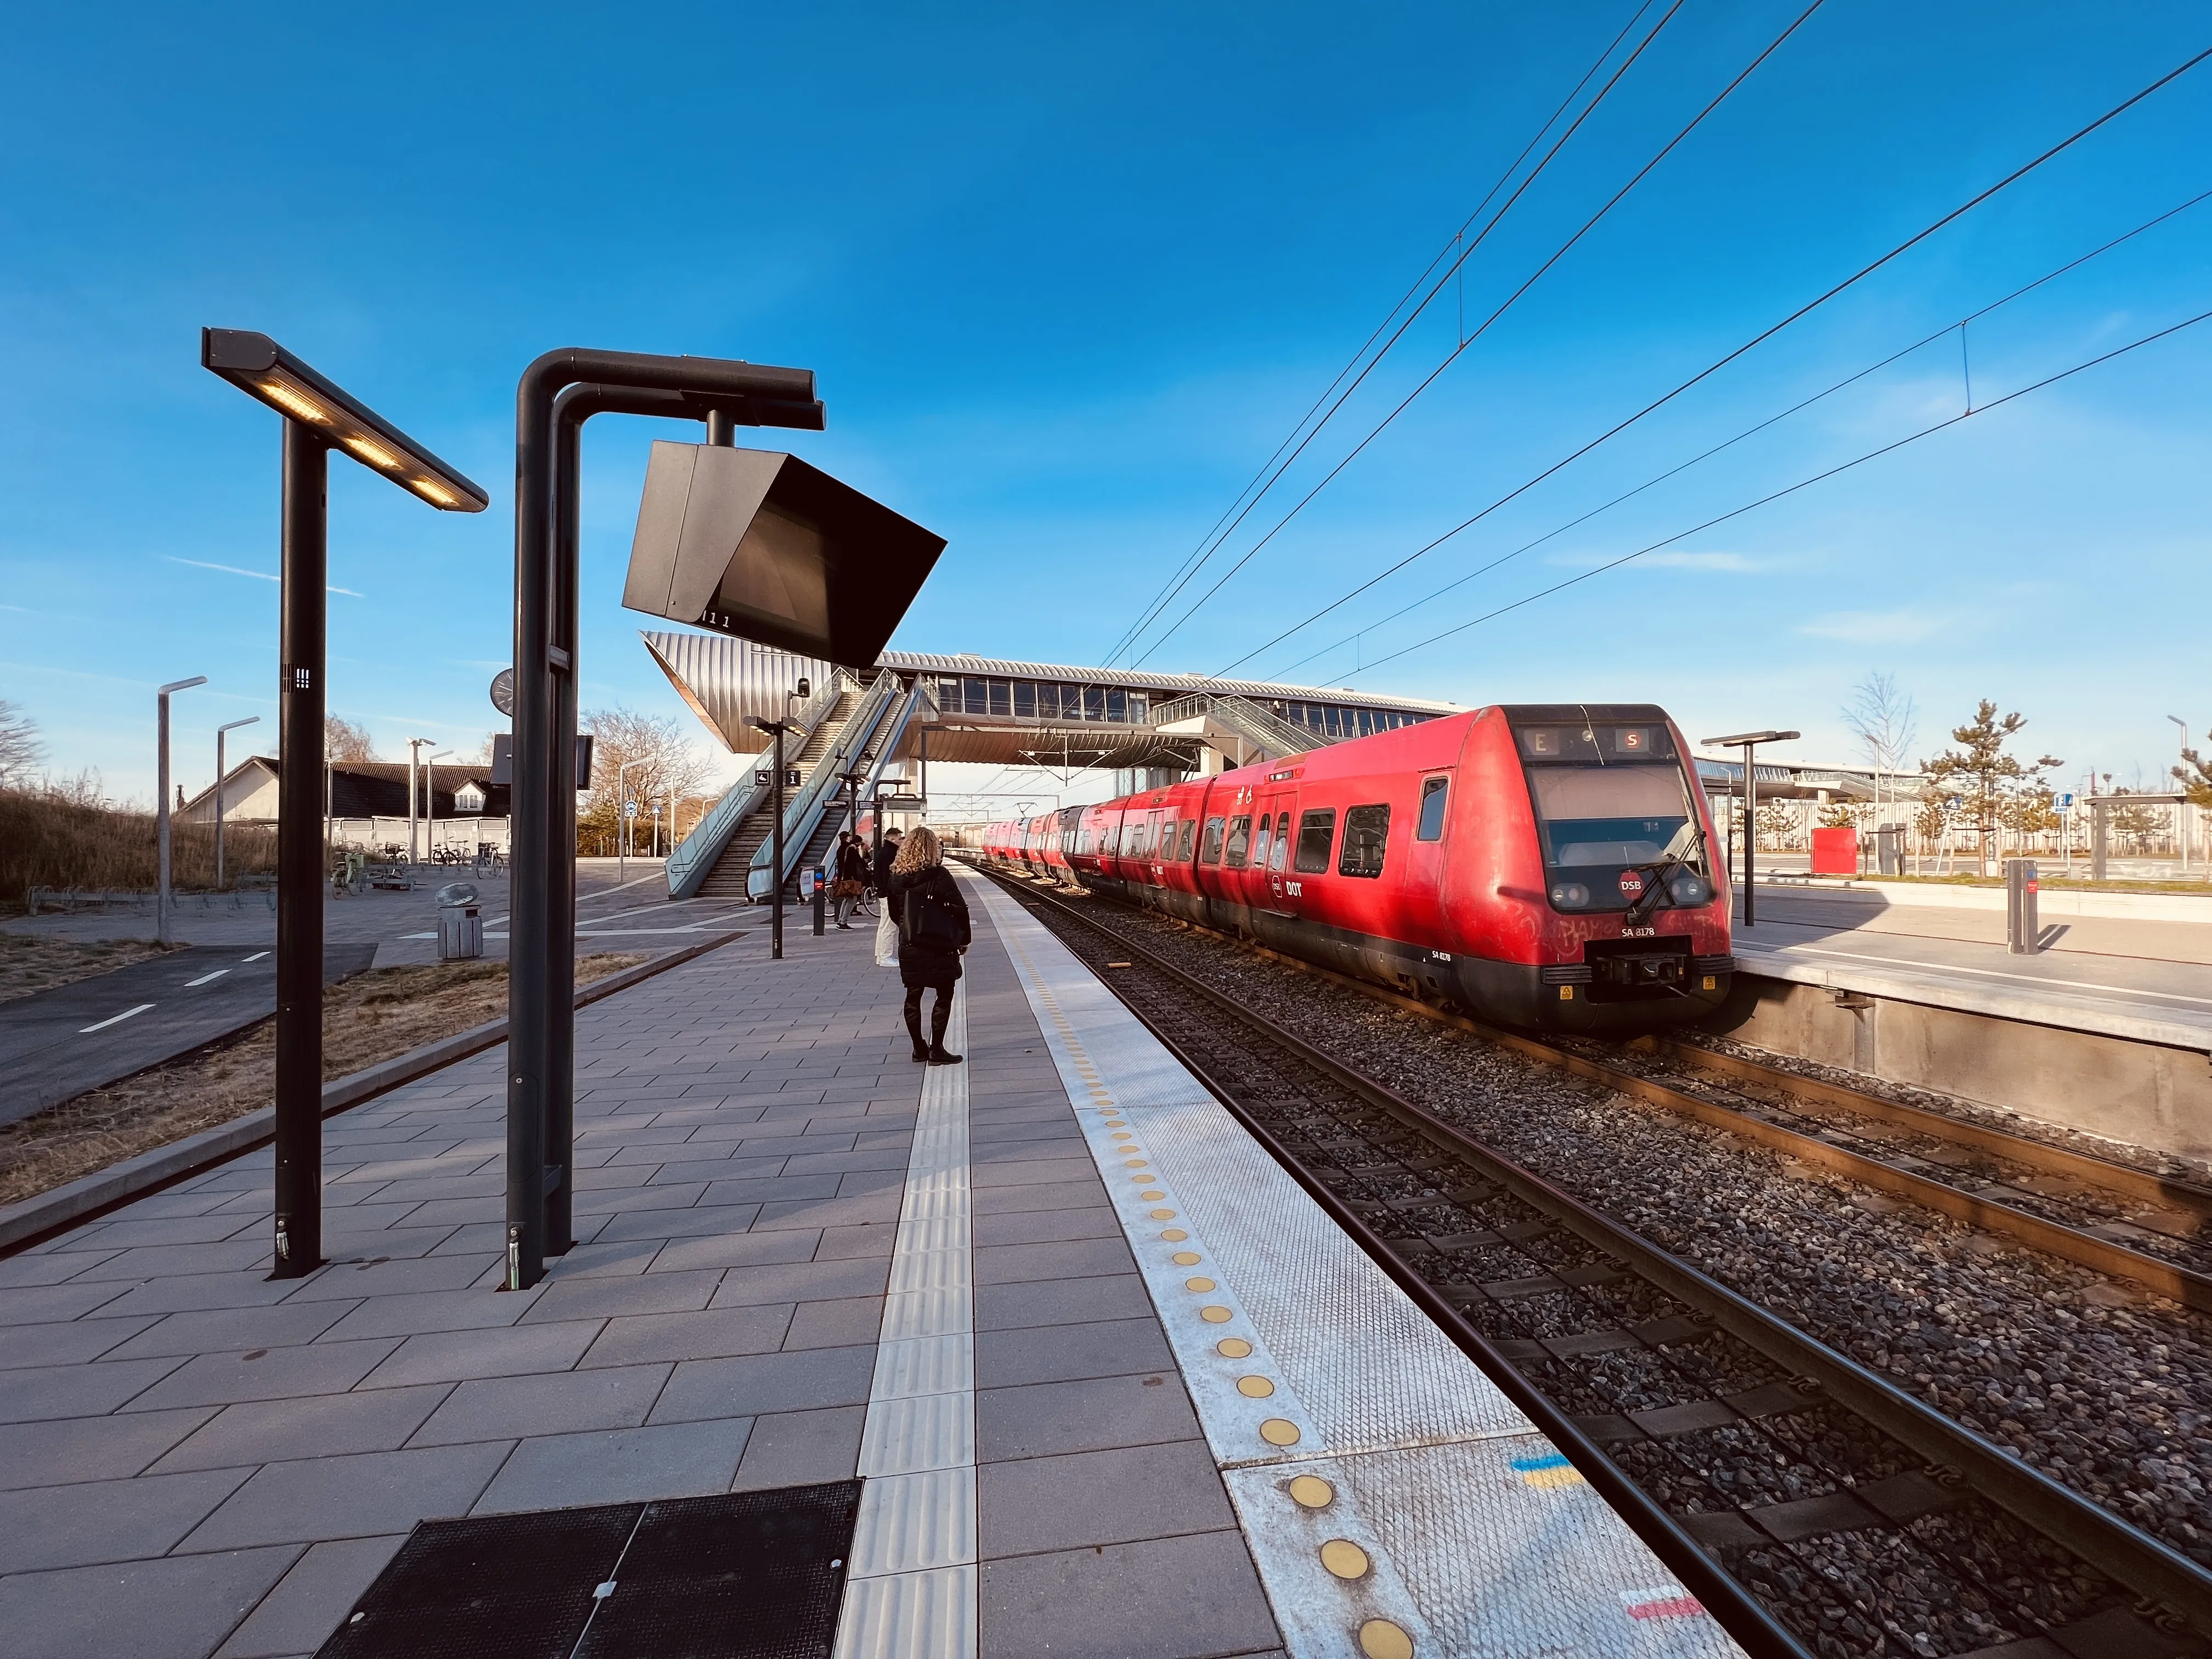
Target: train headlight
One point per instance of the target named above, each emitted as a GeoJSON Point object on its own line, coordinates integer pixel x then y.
{"type": "Point", "coordinates": [1569, 895]}
{"type": "Point", "coordinates": [1689, 890]}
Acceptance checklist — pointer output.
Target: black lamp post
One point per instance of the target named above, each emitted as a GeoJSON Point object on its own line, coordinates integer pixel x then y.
{"type": "Point", "coordinates": [1749, 742]}
{"type": "Point", "coordinates": [318, 416]}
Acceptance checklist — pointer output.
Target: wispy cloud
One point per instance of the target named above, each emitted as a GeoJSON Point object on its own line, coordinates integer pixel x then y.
{"type": "Point", "coordinates": [1907, 626]}
{"type": "Point", "coordinates": [257, 575]}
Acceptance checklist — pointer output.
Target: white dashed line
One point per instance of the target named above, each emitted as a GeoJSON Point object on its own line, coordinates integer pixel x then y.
{"type": "Point", "coordinates": [256, 956]}
{"type": "Point", "coordinates": [204, 978]}
{"type": "Point", "coordinates": [114, 1019]}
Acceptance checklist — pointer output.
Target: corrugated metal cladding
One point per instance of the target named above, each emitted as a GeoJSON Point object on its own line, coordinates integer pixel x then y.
{"type": "Point", "coordinates": [725, 680]}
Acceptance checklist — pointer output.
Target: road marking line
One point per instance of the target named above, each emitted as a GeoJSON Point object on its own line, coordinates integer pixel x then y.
{"type": "Point", "coordinates": [257, 955]}
{"type": "Point", "coordinates": [204, 978]}
{"type": "Point", "coordinates": [114, 1019]}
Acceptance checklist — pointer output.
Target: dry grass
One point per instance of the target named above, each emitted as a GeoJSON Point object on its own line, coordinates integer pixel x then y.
{"type": "Point", "coordinates": [62, 837]}
{"type": "Point", "coordinates": [373, 1016]}
{"type": "Point", "coordinates": [31, 963]}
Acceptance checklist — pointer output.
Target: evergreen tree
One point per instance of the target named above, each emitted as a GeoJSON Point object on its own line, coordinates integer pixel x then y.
{"type": "Point", "coordinates": [1979, 768]}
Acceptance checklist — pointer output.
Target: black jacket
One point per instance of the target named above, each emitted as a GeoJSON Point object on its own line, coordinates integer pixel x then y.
{"type": "Point", "coordinates": [853, 861]}
{"type": "Point", "coordinates": [937, 883]}
{"type": "Point", "coordinates": [884, 854]}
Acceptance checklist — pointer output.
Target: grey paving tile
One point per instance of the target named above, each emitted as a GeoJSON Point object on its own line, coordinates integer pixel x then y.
{"type": "Point", "coordinates": [869, 1239]}
{"type": "Point", "coordinates": [1200, 1600]}
{"type": "Point", "coordinates": [1045, 1226]}
{"type": "Point", "coordinates": [629, 1198]}
{"type": "Point", "coordinates": [76, 1526]}
{"type": "Point", "coordinates": [410, 1277]}
{"type": "Point", "coordinates": [151, 1261]}
{"type": "Point", "coordinates": [217, 1379]}
{"type": "Point", "coordinates": [987, 1174]}
{"type": "Point", "coordinates": [164, 1230]}
{"type": "Point", "coordinates": [609, 1258]}
{"type": "Point", "coordinates": [630, 1293]}
{"type": "Point", "coordinates": [676, 1460]}
{"type": "Point", "coordinates": [1061, 1302]}
{"type": "Point", "coordinates": [514, 1351]}
{"type": "Point", "coordinates": [835, 1324]}
{"type": "Point", "coordinates": [1060, 1353]}
{"type": "Point", "coordinates": [1087, 1193]}
{"type": "Point", "coordinates": [766, 1189]}
{"type": "Point", "coordinates": [878, 1209]}
{"type": "Point", "coordinates": [177, 1607]}
{"type": "Point", "coordinates": [794, 1449]}
{"type": "Point", "coordinates": [258, 1432]}
{"type": "Point", "coordinates": [706, 1334]}
{"type": "Point", "coordinates": [30, 1395]}
{"type": "Point", "coordinates": [808, 1379]}
{"type": "Point", "coordinates": [704, 1221]}
{"type": "Point", "coordinates": [40, 1304]}
{"type": "Point", "coordinates": [802, 1281]}
{"type": "Point", "coordinates": [27, 1271]}
{"type": "Point", "coordinates": [1046, 1420]}
{"type": "Point", "coordinates": [62, 1449]}
{"type": "Point", "coordinates": [430, 1310]}
{"type": "Point", "coordinates": [552, 1402]}
{"type": "Point", "coordinates": [282, 1325]}
{"type": "Point", "coordinates": [66, 1342]}
{"type": "Point", "coordinates": [1037, 1505]}
{"type": "Point", "coordinates": [355, 1497]}
{"type": "Point", "coordinates": [1082, 1258]}
{"type": "Point", "coordinates": [300, 1613]}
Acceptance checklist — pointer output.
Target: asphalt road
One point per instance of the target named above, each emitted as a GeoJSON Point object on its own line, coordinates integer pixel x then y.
{"type": "Point", "coordinates": [61, 1043]}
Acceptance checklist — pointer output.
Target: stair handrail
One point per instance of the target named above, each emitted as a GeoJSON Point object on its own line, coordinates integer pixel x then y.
{"type": "Point", "coordinates": [801, 810]}
{"type": "Point", "coordinates": [691, 860]}
{"type": "Point", "coordinates": [1275, 736]}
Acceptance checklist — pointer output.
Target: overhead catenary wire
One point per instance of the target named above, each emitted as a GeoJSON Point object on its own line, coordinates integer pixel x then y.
{"type": "Point", "coordinates": [1405, 403]}
{"type": "Point", "coordinates": [1801, 404]}
{"type": "Point", "coordinates": [1788, 490]}
{"type": "Point", "coordinates": [1457, 265]}
{"type": "Point", "coordinates": [1756, 340]}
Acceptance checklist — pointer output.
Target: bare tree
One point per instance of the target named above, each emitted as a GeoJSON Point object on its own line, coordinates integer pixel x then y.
{"type": "Point", "coordinates": [344, 740]}
{"type": "Point", "coordinates": [672, 764]}
{"type": "Point", "coordinates": [20, 748]}
{"type": "Point", "coordinates": [1884, 720]}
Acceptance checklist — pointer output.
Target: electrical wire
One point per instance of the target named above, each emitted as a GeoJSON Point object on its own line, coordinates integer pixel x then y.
{"type": "Point", "coordinates": [1751, 431]}
{"type": "Point", "coordinates": [1587, 226]}
{"type": "Point", "coordinates": [1706, 373]}
{"type": "Point", "coordinates": [1788, 490]}
{"type": "Point", "coordinates": [1457, 265]}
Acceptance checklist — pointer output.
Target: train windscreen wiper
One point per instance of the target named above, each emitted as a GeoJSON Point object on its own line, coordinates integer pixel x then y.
{"type": "Point", "coordinates": [1661, 871]}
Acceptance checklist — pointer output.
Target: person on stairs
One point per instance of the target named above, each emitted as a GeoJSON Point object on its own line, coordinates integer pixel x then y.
{"type": "Point", "coordinates": [934, 935]}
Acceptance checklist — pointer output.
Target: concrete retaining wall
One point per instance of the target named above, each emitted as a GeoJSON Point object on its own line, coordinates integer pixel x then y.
{"type": "Point", "coordinates": [2145, 1094]}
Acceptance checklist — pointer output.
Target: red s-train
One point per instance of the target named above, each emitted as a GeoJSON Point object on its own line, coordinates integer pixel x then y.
{"type": "Point", "coordinates": [1546, 864]}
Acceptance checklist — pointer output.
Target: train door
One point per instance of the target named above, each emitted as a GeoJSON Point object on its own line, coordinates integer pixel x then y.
{"type": "Point", "coordinates": [1425, 856]}
{"type": "Point", "coordinates": [1270, 834]}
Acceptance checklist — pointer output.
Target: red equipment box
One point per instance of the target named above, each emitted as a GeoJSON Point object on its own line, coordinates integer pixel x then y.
{"type": "Point", "coordinates": [1835, 852]}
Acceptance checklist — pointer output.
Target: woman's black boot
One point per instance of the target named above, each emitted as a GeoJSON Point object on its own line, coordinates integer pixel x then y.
{"type": "Point", "coordinates": [914, 1030]}
{"type": "Point", "coordinates": [938, 1055]}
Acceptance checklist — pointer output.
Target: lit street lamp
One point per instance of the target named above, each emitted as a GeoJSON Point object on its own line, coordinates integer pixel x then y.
{"type": "Point", "coordinates": [1749, 742]}
{"type": "Point", "coordinates": [318, 416]}
{"type": "Point", "coordinates": [220, 774]}
{"type": "Point", "coordinates": [162, 806]}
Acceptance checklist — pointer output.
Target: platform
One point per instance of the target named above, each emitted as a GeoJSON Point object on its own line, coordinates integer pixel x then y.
{"type": "Point", "coordinates": [802, 1257]}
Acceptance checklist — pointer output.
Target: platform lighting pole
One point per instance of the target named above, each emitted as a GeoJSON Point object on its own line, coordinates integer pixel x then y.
{"type": "Point", "coordinates": [251, 720]}
{"type": "Point", "coordinates": [622, 815]}
{"type": "Point", "coordinates": [1749, 742]}
{"type": "Point", "coordinates": [318, 414]}
{"type": "Point", "coordinates": [415, 748]}
{"type": "Point", "coordinates": [430, 798]}
{"type": "Point", "coordinates": [162, 927]}
{"type": "Point", "coordinates": [2181, 806]}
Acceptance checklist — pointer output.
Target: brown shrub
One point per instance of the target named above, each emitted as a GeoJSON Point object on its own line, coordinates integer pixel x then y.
{"type": "Point", "coordinates": [59, 837]}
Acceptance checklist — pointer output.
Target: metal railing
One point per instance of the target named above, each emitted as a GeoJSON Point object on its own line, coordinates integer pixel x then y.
{"type": "Point", "coordinates": [1274, 736]}
{"type": "Point", "coordinates": [802, 813]}
{"type": "Point", "coordinates": [694, 857]}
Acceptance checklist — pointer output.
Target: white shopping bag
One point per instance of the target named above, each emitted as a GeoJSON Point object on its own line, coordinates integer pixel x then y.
{"type": "Point", "coordinates": [886, 936]}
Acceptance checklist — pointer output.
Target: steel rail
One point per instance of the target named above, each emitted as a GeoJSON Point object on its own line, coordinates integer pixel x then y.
{"type": "Point", "coordinates": [2132, 1557]}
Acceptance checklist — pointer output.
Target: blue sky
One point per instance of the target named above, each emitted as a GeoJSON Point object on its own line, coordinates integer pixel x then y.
{"type": "Point", "coordinates": [1068, 280]}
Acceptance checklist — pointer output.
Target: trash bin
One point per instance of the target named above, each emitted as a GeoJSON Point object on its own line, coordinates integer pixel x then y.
{"type": "Point", "coordinates": [460, 923]}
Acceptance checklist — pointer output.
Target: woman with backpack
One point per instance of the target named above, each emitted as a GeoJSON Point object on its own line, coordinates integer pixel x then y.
{"type": "Point", "coordinates": [933, 933]}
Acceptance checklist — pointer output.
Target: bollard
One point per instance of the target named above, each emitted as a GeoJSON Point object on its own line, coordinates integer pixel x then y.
{"type": "Point", "coordinates": [821, 897]}
{"type": "Point", "coordinates": [2023, 930]}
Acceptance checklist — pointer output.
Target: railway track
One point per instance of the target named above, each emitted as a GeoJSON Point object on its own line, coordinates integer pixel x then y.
{"type": "Point", "coordinates": [1850, 1517]}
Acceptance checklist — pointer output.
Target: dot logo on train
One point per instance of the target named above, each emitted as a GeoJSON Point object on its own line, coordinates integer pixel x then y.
{"type": "Point", "coordinates": [1551, 866]}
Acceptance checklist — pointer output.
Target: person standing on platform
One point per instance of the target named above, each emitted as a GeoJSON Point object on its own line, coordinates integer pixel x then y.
{"type": "Point", "coordinates": [886, 911]}
{"type": "Point", "coordinates": [851, 877]}
{"type": "Point", "coordinates": [934, 935]}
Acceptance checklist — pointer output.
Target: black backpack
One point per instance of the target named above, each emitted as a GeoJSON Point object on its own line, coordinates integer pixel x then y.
{"type": "Point", "coordinates": [929, 921]}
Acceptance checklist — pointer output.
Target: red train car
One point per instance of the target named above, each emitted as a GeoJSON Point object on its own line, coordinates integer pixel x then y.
{"type": "Point", "coordinates": [1539, 865]}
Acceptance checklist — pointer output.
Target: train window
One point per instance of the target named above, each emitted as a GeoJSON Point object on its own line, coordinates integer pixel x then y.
{"type": "Point", "coordinates": [1182, 847]}
{"type": "Point", "coordinates": [1431, 827]}
{"type": "Point", "coordinates": [1264, 842]}
{"type": "Point", "coordinates": [1282, 842]}
{"type": "Point", "coordinates": [1213, 841]}
{"type": "Point", "coordinates": [1365, 830]}
{"type": "Point", "coordinates": [1240, 838]}
{"type": "Point", "coordinates": [1025, 700]}
{"type": "Point", "coordinates": [1316, 832]}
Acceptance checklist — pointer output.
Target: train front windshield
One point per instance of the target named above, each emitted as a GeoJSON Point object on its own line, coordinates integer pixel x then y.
{"type": "Point", "coordinates": [1608, 800]}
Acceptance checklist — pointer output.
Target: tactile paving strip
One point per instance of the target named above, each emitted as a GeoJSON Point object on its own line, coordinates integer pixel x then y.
{"type": "Point", "coordinates": [1396, 1502]}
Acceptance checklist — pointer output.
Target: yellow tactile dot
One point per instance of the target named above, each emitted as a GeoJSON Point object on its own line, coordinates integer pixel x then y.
{"type": "Point", "coordinates": [1123, 1135]}
{"type": "Point", "coordinates": [1201, 1285]}
{"type": "Point", "coordinates": [1381, 1639]}
{"type": "Point", "coordinates": [1310, 1492]}
{"type": "Point", "coordinates": [1233, 1347]}
{"type": "Point", "coordinates": [1215, 1316]}
{"type": "Point", "coordinates": [1149, 1197]}
{"type": "Point", "coordinates": [1254, 1387]}
{"type": "Point", "coordinates": [1174, 1234]}
{"type": "Point", "coordinates": [1279, 1432]}
{"type": "Point", "coordinates": [1185, 1258]}
{"type": "Point", "coordinates": [1345, 1558]}
{"type": "Point", "coordinates": [1163, 1215]}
